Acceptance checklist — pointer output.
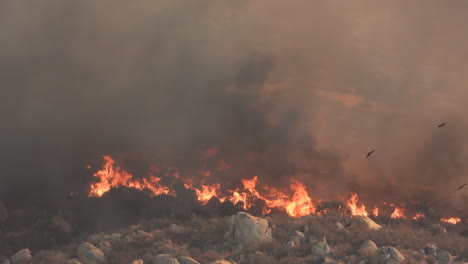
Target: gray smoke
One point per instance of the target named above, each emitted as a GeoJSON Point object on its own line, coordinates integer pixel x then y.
{"type": "Point", "coordinates": [297, 89]}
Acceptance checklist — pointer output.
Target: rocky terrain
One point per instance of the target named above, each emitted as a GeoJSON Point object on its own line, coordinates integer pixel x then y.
{"type": "Point", "coordinates": [239, 238]}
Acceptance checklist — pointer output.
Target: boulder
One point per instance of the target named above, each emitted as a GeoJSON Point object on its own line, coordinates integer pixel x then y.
{"type": "Point", "coordinates": [90, 254]}
{"type": "Point", "coordinates": [368, 248]}
{"type": "Point", "coordinates": [3, 213]}
{"type": "Point", "coordinates": [116, 236]}
{"type": "Point", "coordinates": [245, 229]}
{"type": "Point", "coordinates": [430, 250]}
{"type": "Point", "coordinates": [321, 249]}
{"type": "Point", "coordinates": [4, 260]}
{"type": "Point", "coordinates": [187, 260]}
{"type": "Point", "coordinates": [221, 261]}
{"type": "Point", "coordinates": [21, 257]}
{"type": "Point", "coordinates": [372, 225]}
{"type": "Point", "coordinates": [296, 238]}
{"type": "Point", "coordinates": [165, 259]}
{"type": "Point", "coordinates": [138, 261]}
{"type": "Point", "coordinates": [444, 257]}
{"type": "Point", "coordinates": [390, 255]}
{"type": "Point", "coordinates": [73, 261]}
{"type": "Point", "coordinates": [176, 228]}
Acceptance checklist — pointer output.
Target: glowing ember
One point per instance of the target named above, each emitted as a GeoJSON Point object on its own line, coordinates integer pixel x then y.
{"type": "Point", "coordinates": [375, 212]}
{"type": "Point", "coordinates": [398, 213]}
{"type": "Point", "coordinates": [418, 215]}
{"type": "Point", "coordinates": [452, 220]}
{"type": "Point", "coordinates": [355, 209]}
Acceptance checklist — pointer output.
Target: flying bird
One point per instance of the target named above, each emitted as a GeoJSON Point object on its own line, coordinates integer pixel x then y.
{"type": "Point", "coordinates": [370, 153]}
{"type": "Point", "coordinates": [348, 224]}
{"type": "Point", "coordinates": [461, 187]}
{"type": "Point", "coordinates": [441, 125]}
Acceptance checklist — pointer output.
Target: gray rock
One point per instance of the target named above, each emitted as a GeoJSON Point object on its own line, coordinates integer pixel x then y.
{"type": "Point", "coordinates": [390, 255]}
{"type": "Point", "coordinates": [21, 257]}
{"type": "Point", "coordinates": [368, 248]}
{"type": "Point", "coordinates": [3, 213]}
{"type": "Point", "coordinates": [116, 236]}
{"type": "Point", "coordinates": [90, 254]}
{"type": "Point", "coordinates": [165, 259]}
{"type": "Point", "coordinates": [444, 257]}
{"type": "Point", "coordinates": [105, 246]}
{"type": "Point", "coordinates": [430, 250]}
{"type": "Point", "coordinates": [4, 260]}
{"type": "Point", "coordinates": [221, 261]}
{"type": "Point", "coordinates": [321, 249]}
{"type": "Point", "coordinates": [245, 229]}
{"type": "Point", "coordinates": [187, 260]}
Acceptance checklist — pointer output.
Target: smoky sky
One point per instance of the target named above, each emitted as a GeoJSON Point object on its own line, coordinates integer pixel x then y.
{"type": "Point", "coordinates": [299, 89]}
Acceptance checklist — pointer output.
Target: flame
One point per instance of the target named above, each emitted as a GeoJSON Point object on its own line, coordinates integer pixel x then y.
{"type": "Point", "coordinates": [398, 213]}
{"type": "Point", "coordinates": [375, 211]}
{"type": "Point", "coordinates": [356, 210]}
{"type": "Point", "coordinates": [452, 220]}
{"type": "Point", "coordinates": [418, 215]}
{"type": "Point", "coordinates": [112, 176]}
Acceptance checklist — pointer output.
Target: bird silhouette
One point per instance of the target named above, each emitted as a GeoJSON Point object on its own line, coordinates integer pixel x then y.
{"type": "Point", "coordinates": [348, 224]}
{"type": "Point", "coordinates": [461, 187]}
{"type": "Point", "coordinates": [370, 153]}
{"type": "Point", "coordinates": [441, 125]}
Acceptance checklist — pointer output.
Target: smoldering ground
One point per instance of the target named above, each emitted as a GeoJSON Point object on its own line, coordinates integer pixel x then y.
{"type": "Point", "coordinates": [302, 89]}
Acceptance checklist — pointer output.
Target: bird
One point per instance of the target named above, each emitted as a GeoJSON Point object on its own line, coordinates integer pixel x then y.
{"type": "Point", "coordinates": [441, 125]}
{"type": "Point", "coordinates": [461, 187]}
{"type": "Point", "coordinates": [370, 153]}
{"type": "Point", "coordinates": [348, 224]}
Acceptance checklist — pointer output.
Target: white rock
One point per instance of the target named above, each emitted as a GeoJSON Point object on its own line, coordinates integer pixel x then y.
{"type": "Point", "coordinates": [165, 259]}
{"type": "Point", "coordinates": [372, 225]}
{"type": "Point", "coordinates": [90, 254]}
{"type": "Point", "coordinates": [21, 257]}
{"type": "Point", "coordinates": [116, 236]}
{"type": "Point", "coordinates": [187, 260]}
{"type": "Point", "coordinates": [245, 229]}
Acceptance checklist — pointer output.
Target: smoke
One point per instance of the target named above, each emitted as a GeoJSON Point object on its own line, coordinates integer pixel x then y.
{"type": "Point", "coordinates": [302, 89]}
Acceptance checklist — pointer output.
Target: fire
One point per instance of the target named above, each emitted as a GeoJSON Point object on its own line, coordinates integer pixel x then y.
{"type": "Point", "coordinates": [452, 220]}
{"type": "Point", "coordinates": [355, 209]}
{"type": "Point", "coordinates": [418, 215]}
{"type": "Point", "coordinates": [112, 176]}
{"type": "Point", "coordinates": [398, 213]}
{"type": "Point", "coordinates": [207, 192]}
{"type": "Point", "coordinates": [375, 211]}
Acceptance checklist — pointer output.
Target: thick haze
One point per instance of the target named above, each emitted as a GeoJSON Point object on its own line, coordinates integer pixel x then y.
{"type": "Point", "coordinates": [283, 89]}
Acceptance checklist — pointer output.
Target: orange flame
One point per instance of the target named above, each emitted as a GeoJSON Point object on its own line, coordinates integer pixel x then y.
{"type": "Point", "coordinates": [111, 176]}
{"type": "Point", "coordinates": [452, 220]}
{"type": "Point", "coordinates": [375, 212]}
{"type": "Point", "coordinates": [398, 213]}
{"type": "Point", "coordinates": [418, 215]}
{"type": "Point", "coordinates": [355, 209]}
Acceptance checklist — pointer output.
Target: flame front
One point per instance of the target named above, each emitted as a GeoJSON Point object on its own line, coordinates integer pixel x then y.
{"type": "Point", "coordinates": [452, 220]}
{"type": "Point", "coordinates": [355, 209]}
{"type": "Point", "coordinates": [398, 213]}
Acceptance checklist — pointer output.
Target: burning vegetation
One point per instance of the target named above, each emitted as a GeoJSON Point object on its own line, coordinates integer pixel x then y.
{"type": "Point", "coordinates": [295, 200]}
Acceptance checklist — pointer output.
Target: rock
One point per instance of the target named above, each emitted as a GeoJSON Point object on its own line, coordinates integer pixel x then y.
{"type": "Point", "coordinates": [221, 261]}
{"type": "Point", "coordinates": [3, 213]}
{"type": "Point", "coordinates": [116, 236]}
{"type": "Point", "coordinates": [329, 260]}
{"type": "Point", "coordinates": [372, 225]}
{"type": "Point", "coordinates": [90, 254]}
{"type": "Point", "coordinates": [48, 257]}
{"type": "Point", "coordinates": [430, 250]}
{"type": "Point", "coordinates": [339, 226]}
{"type": "Point", "coordinates": [444, 257]}
{"type": "Point", "coordinates": [438, 230]}
{"type": "Point", "coordinates": [368, 248]}
{"type": "Point", "coordinates": [143, 235]}
{"type": "Point", "coordinates": [138, 261]}
{"type": "Point", "coordinates": [245, 229]}
{"type": "Point", "coordinates": [21, 257]}
{"type": "Point", "coordinates": [73, 261]}
{"type": "Point", "coordinates": [187, 260]}
{"type": "Point", "coordinates": [165, 259]}
{"type": "Point", "coordinates": [4, 260]}
{"type": "Point", "coordinates": [390, 255]}
{"type": "Point", "coordinates": [176, 228]}
{"type": "Point", "coordinates": [105, 246]}
{"type": "Point", "coordinates": [321, 249]}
